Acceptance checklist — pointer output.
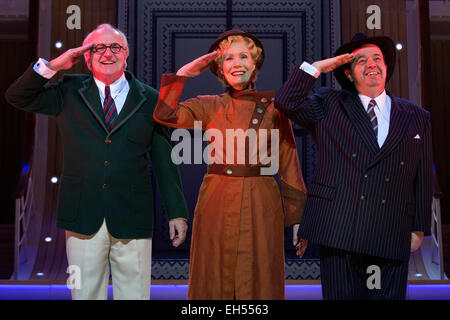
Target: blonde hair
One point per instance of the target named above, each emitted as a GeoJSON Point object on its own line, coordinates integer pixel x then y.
{"type": "Point", "coordinates": [225, 44]}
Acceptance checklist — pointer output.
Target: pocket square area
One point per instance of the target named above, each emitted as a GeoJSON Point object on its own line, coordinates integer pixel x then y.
{"type": "Point", "coordinates": [417, 136]}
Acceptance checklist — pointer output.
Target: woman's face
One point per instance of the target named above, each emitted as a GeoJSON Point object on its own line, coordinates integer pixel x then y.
{"type": "Point", "coordinates": [238, 65]}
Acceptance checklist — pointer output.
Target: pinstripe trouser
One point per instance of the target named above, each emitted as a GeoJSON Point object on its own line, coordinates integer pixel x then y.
{"type": "Point", "coordinates": [346, 276]}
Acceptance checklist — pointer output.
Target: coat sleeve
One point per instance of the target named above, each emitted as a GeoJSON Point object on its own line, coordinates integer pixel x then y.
{"type": "Point", "coordinates": [176, 114]}
{"type": "Point", "coordinates": [423, 184]}
{"type": "Point", "coordinates": [32, 93]}
{"type": "Point", "coordinates": [293, 101]}
{"type": "Point", "coordinates": [293, 190]}
{"type": "Point", "coordinates": [167, 174]}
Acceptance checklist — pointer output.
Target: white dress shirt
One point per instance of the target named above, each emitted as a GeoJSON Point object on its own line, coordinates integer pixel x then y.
{"type": "Point", "coordinates": [119, 89]}
{"type": "Point", "coordinates": [382, 109]}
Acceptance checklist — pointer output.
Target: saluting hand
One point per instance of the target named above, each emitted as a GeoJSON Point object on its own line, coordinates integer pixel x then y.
{"type": "Point", "coordinates": [194, 68]}
{"type": "Point", "coordinates": [330, 64]}
{"type": "Point", "coordinates": [72, 56]}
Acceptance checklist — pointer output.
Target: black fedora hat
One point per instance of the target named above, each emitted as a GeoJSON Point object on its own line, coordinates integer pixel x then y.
{"type": "Point", "coordinates": [236, 32]}
{"type": "Point", "coordinates": [386, 46]}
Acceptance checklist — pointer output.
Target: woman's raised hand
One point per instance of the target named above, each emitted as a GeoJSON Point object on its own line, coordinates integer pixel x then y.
{"type": "Point", "coordinates": [194, 68]}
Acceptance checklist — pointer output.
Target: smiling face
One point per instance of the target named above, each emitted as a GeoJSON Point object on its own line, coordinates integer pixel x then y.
{"type": "Point", "coordinates": [108, 66]}
{"type": "Point", "coordinates": [238, 65]}
{"type": "Point", "coordinates": [368, 71]}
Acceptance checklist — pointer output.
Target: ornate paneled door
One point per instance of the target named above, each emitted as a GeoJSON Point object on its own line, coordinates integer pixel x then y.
{"type": "Point", "coordinates": [164, 35]}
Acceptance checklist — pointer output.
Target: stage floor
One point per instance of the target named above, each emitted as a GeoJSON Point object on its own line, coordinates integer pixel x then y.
{"type": "Point", "coordinates": [11, 290]}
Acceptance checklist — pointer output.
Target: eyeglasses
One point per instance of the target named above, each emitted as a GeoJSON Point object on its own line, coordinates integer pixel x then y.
{"type": "Point", "coordinates": [114, 47]}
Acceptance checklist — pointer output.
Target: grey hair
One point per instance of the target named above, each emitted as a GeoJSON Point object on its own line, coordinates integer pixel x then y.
{"type": "Point", "coordinates": [106, 25]}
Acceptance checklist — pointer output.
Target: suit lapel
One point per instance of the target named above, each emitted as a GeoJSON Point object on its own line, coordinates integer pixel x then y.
{"type": "Point", "coordinates": [359, 119]}
{"type": "Point", "coordinates": [90, 96]}
{"type": "Point", "coordinates": [135, 99]}
{"type": "Point", "coordinates": [398, 124]}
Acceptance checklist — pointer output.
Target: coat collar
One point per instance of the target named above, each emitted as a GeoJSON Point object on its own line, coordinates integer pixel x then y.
{"type": "Point", "coordinates": [250, 93]}
{"type": "Point", "coordinates": [398, 124]}
{"type": "Point", "coordinates": [399, 120]}
{"type": "Point", "coordinates": [135, 99]}
{"type": "Point", "coordinates": [358, 117]}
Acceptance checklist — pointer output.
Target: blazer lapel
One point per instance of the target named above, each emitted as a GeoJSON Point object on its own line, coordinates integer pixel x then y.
{"type": "Point", "coordinates": [358, 117]}
{"type": "Point", "coordinates": [398, 124]}
{"type": "Point", "coordinates": [90, 96]}
{"type": "Point", "coordinates": [135, 99]}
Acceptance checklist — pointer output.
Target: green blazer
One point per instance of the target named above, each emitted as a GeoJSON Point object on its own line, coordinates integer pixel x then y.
{"type": "Point", "coordinates": [105, 174]}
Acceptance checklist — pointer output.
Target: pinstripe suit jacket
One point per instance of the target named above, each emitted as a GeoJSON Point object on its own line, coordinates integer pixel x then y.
{"type": "Point", "coordinates": [363, 198]}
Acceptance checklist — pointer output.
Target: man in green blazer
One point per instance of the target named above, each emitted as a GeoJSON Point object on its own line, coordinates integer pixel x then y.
{"type": "Point", "coordinates": [105, 200]}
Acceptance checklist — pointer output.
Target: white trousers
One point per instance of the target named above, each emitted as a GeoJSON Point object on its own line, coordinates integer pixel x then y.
{"type": "Point", "coordinates": [92, 257]}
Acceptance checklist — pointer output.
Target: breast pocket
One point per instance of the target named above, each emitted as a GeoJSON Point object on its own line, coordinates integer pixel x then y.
{"type": "Point", "coordinates": [140, 129]}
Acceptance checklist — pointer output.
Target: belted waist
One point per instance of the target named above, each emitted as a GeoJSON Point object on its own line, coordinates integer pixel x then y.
{"type": "Point", "coordinates": [235, 171]}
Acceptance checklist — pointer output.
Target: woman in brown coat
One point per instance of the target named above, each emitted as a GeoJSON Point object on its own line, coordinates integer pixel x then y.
{"type": "Point", "coordinates": [237, 249]}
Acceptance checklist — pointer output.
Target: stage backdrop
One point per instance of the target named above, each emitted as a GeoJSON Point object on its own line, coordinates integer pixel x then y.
{"type": "Point", "coordinates": [164, 35]}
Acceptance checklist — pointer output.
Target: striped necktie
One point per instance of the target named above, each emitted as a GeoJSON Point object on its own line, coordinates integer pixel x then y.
{"type": "Point", "coordinates": [109, 109]}
{"type": "Point", "coordinates": [372, 116]}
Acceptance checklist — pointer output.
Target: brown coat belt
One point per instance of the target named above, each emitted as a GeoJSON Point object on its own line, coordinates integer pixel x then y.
{"type": "Point", "coordinates": [235, 171]}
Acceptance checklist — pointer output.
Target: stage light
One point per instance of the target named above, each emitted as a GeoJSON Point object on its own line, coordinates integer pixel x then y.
{"type": "Point", "coordinates": [58, 44]}
{"type": "Point", "coordinates": [54, 180]}
{"type": "Point", "coordinates": [418, 275]}
{"type": "Point", "coordinates": [40, 274]}
{"type": "Point", "coordinates": [399, 46]}
{"type": "Point", "coordinates": [48, 239]}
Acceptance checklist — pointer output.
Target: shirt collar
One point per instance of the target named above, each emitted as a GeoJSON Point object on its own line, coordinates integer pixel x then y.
{"type": "Point", "coordinates": [115, 87]}
{"type": "Point", "coordinates": [380, 100]}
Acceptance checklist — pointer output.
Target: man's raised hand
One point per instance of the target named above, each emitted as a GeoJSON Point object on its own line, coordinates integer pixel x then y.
{"type": "Point", "coordinates": [330, 64]}
{"type": "Point", "coordinates": [72, 56]}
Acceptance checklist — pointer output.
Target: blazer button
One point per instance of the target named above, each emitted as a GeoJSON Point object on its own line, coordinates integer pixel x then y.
{"type": "Point", "coordinates": [108, 141]}
{"type": "Point", "coordinates": [363, 197]}
{"type": "Point", "coordinates": [402, 163]}
{"type": "Point", "coordinates": [229, 171]}
{"type": "Point", "coordinates": [255, 121]}
{"type": "Point", "coordinates": [383, 201]}
{"type": "Point", "coordinates": [264, 100]}
{"type": "Point", "coordinates": [107, 163]}
{"type": "Point", "coordinates": [387, 179]}
{"type": "Point", "coordinates": [366, 176]}
{"type": "Point", "coordinates": [105, 186]}
{"type": "Point", "coordinates": [354, 155]}
{"type": "Point", "coordinates": [259, 110]}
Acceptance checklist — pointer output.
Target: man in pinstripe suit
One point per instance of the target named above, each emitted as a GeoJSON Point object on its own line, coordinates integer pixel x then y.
{"type": "Point", "coordinates": [370, 200]}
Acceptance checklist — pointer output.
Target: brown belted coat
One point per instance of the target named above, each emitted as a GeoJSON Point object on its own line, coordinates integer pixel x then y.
{"type": "Point", "coordinates": [237, 245]}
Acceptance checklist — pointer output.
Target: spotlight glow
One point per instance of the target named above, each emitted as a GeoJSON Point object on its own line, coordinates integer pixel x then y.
{"type": "Point", "coordinates": [399, 46]}
{"type": "Point", "coordinates": [58, 44]}
{"type": "Point", "coordinates": [54, 179]}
